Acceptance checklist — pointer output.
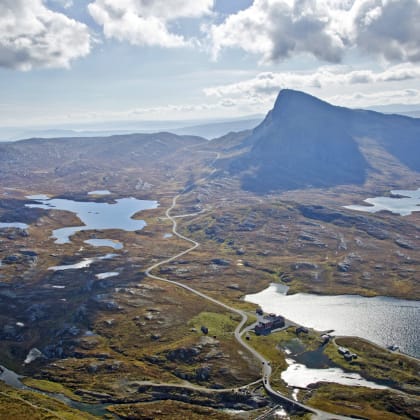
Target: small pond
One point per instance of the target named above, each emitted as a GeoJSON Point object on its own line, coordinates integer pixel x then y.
{"type": "Point", "coordinates": [105, 242]}
{"type": "Point", "coordinates": [300, 376]}
{"type": "Point", "coordinates": [13, 225]}
{"type": "Point", "coordinates": [99, 192]}
{"type": "Point", "coordinates": [97, 216]}
{"type": "Point", "coordinates": [102, 276]}
{"type": "Point", "coordinates": [85, 263]}
{"type": "Point", "coordinates": [402, 202]}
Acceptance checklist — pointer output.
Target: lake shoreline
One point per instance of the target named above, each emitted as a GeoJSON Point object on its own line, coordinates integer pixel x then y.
{"type": "Point", "coordinates": [276, 291]}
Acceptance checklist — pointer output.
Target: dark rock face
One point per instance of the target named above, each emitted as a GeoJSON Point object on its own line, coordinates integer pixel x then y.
{"type": "Point", "coordinates": [183, 354]}
{"type": "Point", "coordinates": [203, 374]}
{"type": "Point", "coordinates": [305, 142]}
{"type": "Point", "coordinates": [370, 225]}
{"type": "Point", "coordinates": [303, 265]}
{"type": "Point", "coordinates": [404, 244]}
{"type": "Point", "coordinates": [398, 135]}
{"type": "Point", "coordinates": [220, 261]}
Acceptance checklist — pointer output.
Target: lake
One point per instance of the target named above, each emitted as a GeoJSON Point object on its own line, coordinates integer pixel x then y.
{"type": "Point", "coordinates": [99, 192]}
{"type": "Point", "coordinates": [102, 276]}
{"type": "Point", "coordinates": [13, 225]}
{"type": "Point", "coordinates": [97, 216]}
{"type": "Point", "coordinates": [406, 202]}
{"type": "Point", "coordinates": [97, 243]}
{"type": "Point", "coordinates": [383, 320]}
{"type": "Point", "coordinates": [300, 376]}
{"type": "Point", "coordinates": [85, 263]}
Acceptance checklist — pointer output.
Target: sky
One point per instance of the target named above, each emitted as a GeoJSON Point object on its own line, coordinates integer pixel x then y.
{"type": "Point", "coordinates": [69, 62]}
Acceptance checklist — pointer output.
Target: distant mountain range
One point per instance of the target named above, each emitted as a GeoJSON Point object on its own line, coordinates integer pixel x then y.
{"type": "Point", "coordinates": [305, 142]}
{"type": "Point", "coordinates": [206, 129]}
{"type": "Point", "coordinates": [302, 143]}
{"type": "Point", "coordinates": [218, 129]}
{"type": "Point", "coordinates": [71, 160]}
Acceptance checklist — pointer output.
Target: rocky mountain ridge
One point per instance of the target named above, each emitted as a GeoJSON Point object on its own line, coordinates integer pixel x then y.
{"type": "Point", "coordinates": [305, 142]}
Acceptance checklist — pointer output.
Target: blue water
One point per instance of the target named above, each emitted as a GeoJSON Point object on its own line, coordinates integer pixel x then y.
{"type": "Point", "coordinates": [97, 216]}
{"type": "Point", "coordinates": [13, 225]}
{"type": "Point", "coordinates": [383, 320]}
{"type": "Point", "coordinates": [404, 206]}
{"type": "Point", "coordinates": [85, 263]}
{"type": "Point", "coordinates": [105, 242]}
{"type": "Point", "coordinates": [99, 192]}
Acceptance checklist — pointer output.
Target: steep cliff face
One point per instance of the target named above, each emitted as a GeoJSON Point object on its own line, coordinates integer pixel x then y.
{"type": "Point", "coordinates": [305, 142]}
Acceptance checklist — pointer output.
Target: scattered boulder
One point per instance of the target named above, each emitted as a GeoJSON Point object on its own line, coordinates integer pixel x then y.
{"type": "Point", "coordinates": [404, 244]}
{"type": "Point", "coordinates": [92, 368]}
{"type": "Point", "coordinates": [203, 374]}
{"type": "Point", "coordinates": [370, 225]}
{"type": "Point", "coordinates": [304, 265]}
{"type": "Point", "coordinates": [11, 332]}
{"type": "Point", "coordinates": [55, 351]}
{"type": "Point", "coordinates": [37, 311]}
{"type": "Point", "coordinates": [12, 259]}
{"type": "Point", "coordinates": [220, 261]}
{"type": "Point", "coordinates": [33, 355]}
{"type": "Point", "coordinates": [183, 354]}
{"type": "Point", "coordinates": [247, 226]}
{"type": "Point", "coordinates": [344, 266]}
{"type": "Point", "coordinates": [204, 330]}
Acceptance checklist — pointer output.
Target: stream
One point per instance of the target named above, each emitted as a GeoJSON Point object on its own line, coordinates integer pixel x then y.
{"type": "Point", "coordinates": [14, 380]}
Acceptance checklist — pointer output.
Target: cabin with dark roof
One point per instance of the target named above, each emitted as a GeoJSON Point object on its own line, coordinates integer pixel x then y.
{"type": "Point", "coordinates": [269, 323]}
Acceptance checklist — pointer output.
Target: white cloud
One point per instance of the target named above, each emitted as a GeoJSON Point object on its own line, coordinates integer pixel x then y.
{"type": "Point", "coordinates": [381, 98]}
{"type": "Point", "coordinates": [48, 115]}
{"type": "Point", "coordinates": [66, 4]}
{"type": "Point", "coordinates": [266, 85]}
{"type": "Point", "coordinates": [146, 22]}
{"type": "Point", "coordinates": [31, 35]}
{"type": "Point", "coordinates": [279, 28]}
{"type": "Point", "coordinates": [389, 28]}
{"type": "Point", "coordinates": [325, 29]}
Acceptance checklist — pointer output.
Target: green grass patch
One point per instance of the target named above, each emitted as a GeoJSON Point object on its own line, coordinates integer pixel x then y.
{"type": "Point", "coordinates": [310, 340]}
{"type": "Point", "coordinates": [219, 325]}
{"type": "Point", "coordinates": [364, 403]}
{"type": "Point", "coordinates": [20, 404]}
{"type": "Point", "coordinates": [52, 387]}
{"type": "Point", "coordinates": [374, 362]}
{"type": "Point", "coordinates": [173, 410]}
{"type": "Point", "coordinates": [267, 345]}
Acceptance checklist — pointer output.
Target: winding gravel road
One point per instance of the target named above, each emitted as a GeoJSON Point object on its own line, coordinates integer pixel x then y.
{"type": "Point", "coordinates": [265, 364]}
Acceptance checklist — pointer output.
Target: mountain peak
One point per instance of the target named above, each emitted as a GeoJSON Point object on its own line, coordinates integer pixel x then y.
{"type": "Point", "coordinates": [289, 100]}
{"type": "Point", "coordinates": [287, 94]}
{"type": "Point", "coordinates": [305, 142]}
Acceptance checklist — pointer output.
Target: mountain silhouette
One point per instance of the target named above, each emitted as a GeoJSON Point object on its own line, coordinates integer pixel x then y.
{"type": "Point", "coordinates": [305, 142]}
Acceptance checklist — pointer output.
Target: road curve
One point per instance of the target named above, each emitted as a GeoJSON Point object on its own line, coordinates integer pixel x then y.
{"type": "Point", "coordinates": [266, 366]}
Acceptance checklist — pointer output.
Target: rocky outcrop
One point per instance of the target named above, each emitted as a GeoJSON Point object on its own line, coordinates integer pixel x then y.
{"type": "Point", "coordinates": [183, 354]}
{"type": "Point", "coordinates": [33, 355]}
{"type": "Point", "coordinates": [224, 399]}
{"type": "Point", "coordinates": [372, 226]}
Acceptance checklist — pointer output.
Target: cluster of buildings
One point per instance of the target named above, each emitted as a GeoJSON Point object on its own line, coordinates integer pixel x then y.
{"type": "Point", "coordinates": [347, 354]}
{"type": "Point", "coordinates": [268, 323]}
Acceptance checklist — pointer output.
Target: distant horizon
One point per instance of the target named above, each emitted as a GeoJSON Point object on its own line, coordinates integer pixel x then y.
{"type": "Point", "coordinates": [161, 160]}
{"type": "Point", "coordinates": [116, 127]}
{"type": "Point", "coordinates": [65, 62]}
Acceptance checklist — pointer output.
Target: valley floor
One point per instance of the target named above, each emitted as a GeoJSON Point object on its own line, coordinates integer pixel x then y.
{"type": "Point", "coordinates": [129, 341]}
